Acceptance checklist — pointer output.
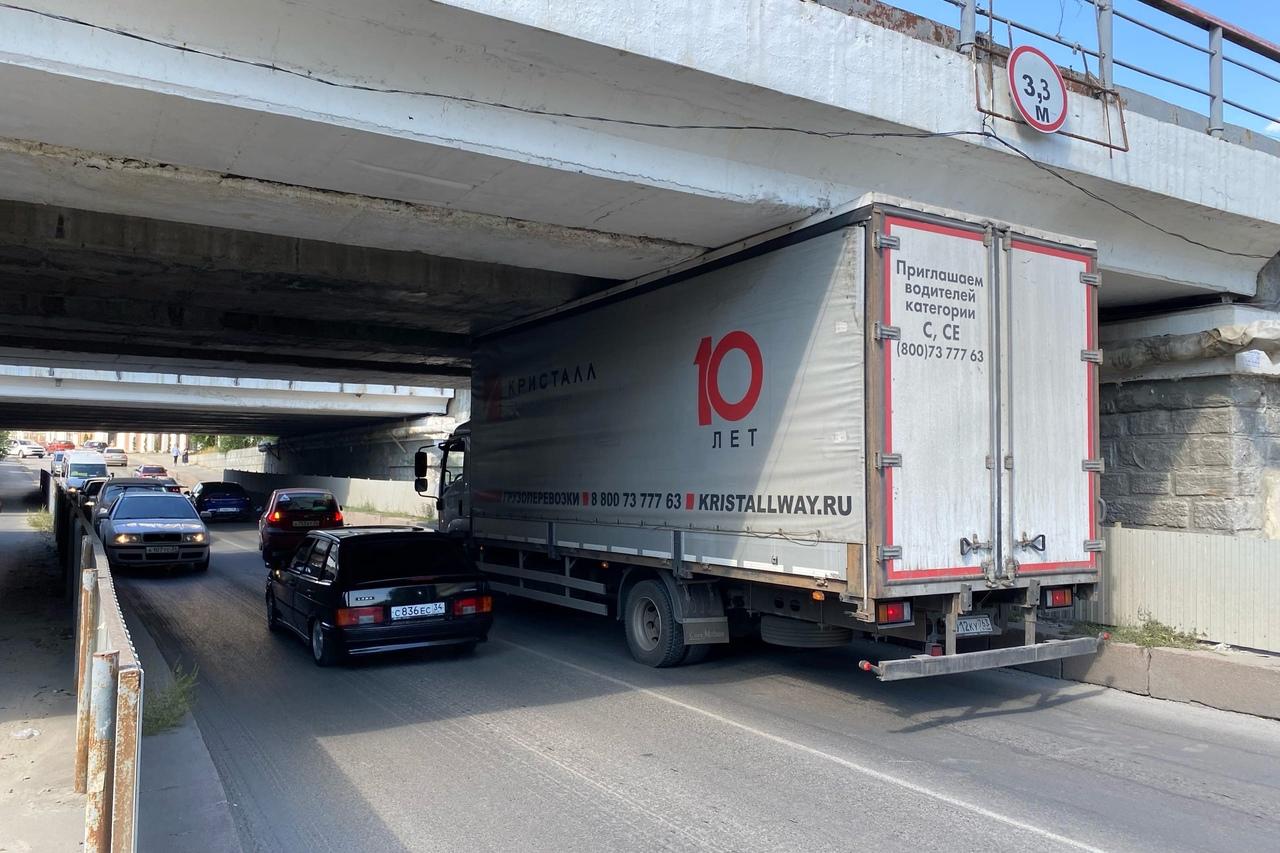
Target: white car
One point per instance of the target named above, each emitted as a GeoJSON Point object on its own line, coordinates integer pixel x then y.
{"type": "Point", "coordinates": [25, 447]}
{"type": "Point", "coordinates": [116, 457]}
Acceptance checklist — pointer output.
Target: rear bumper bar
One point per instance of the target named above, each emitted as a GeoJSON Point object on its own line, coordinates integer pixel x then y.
{"type": "Point", "coordinates": [922, 666]}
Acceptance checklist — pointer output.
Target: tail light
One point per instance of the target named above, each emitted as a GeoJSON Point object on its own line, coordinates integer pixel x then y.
{"type": "Point", "coordinates": [472, 605]}
{"type": "Point", "coordinates": [337, 517]}
{"type": "Point", "coordinates": [274, 518]}
{"type": "Point", "coordinates": [1056, 596]}
{"type": "Point", "coordinates": [893, 612]}
{"type": "Point", "coordinates": [350, 617]}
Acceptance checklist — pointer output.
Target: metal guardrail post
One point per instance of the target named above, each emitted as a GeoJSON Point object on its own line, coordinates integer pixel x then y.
{"type": "Point", "coordinates": [1105, 41]}
{"type": "Point", "coordinates": [101, 776]}
{"type": "Point", "coordinates": [968, 26]}
{"type": "Point", "coordinates": [86, 645]}
{"type": "Point", "coordinates": [1215, 81]}
{"type": "Point", "coordinates": [124, 795]}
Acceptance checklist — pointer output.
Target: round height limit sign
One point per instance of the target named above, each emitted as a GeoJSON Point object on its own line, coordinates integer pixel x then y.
{"type": "Point", "coordinates": [1037, 88]}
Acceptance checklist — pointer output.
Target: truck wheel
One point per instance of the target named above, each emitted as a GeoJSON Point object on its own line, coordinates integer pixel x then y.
{"type": "Point", "coordinates": [696, 654]}
{"type": "Point", "coordinates": [653, 635]}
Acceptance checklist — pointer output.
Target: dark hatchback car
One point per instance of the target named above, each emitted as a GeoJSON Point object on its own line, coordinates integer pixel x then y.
{"type": "Point", "coordinates": [112, 491]}
{"type": "Point", "coordinates": [363, 590]}
{"type": "Point", "coordinates": [289, 516]}
{"type": "Point", "coordinates": [218, 501]}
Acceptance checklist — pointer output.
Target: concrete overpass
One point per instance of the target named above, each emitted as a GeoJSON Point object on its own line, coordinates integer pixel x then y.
{"type": "Point", "coordinates": [98, 400]}
{"type": "Point", "coordinates": [263, 188]}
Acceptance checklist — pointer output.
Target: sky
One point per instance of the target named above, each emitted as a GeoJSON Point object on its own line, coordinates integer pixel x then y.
{"type": "Point", "coordinates": [1074, 21]}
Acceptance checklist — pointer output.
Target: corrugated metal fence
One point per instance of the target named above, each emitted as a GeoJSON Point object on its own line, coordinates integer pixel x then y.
{"type": "Point", "coordinates": [1223, 588]}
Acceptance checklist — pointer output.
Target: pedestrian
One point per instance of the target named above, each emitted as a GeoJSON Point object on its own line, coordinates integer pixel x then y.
{"type": "Point", "coordinates": [174, 450]}
{"type": "Point", "coordinates": [186, 456]}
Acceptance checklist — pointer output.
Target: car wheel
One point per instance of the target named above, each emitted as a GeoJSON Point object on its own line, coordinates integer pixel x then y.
{"type": "Point", "coordinates": [653, 635]}
{"type": "Point", "coordinates": [203, 566]}
{"type": "Point", "coordinates": [324, 649]}
{"type": "Point", "coordinates": [273, 615]}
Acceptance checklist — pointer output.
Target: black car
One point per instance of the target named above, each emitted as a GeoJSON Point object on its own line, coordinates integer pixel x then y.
{"type": "Point", "coordinates": [362, 590]}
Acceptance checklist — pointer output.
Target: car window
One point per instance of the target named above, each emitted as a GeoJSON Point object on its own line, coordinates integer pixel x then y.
{"type": "Point", "coordinates": [331, 563]}
{"type": "Point", "coordinates": [153, 506]}
{"type": "Point", "coordinates": [375, 558]}
{"type": "Point", "coordinates": [92, 488]}
{"type": "Point", "coordinates": [315, 562]}
{"type": "Point", "coordinates": [307, 502]}
{"type": "Point", "coordinates": [87, 469]}
{"type": "Point", "coordinates": [223, 490]}
{"type": "Point", "coordinates": [299, 561]}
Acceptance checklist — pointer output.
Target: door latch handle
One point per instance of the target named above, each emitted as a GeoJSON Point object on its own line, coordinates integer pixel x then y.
{"type": "Point", "coordinates": [968, 546]}
{"type": "Point", "coordinates": [1036, 543]}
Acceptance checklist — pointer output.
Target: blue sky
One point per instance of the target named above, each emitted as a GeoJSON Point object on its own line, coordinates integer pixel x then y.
{"type": "Point", "coordinates": [1074, 21]}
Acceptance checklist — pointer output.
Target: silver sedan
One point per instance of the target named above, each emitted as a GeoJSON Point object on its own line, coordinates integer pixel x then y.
{"type": "Point", "coordinates": [154, 529]}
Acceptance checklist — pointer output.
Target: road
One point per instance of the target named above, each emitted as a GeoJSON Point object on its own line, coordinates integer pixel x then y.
{"type": "Point", "coordinates": [551, 738]}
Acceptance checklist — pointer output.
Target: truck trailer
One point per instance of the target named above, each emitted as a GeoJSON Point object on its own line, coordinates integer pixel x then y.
{"type": "Point", "coordinates": [881, 420]}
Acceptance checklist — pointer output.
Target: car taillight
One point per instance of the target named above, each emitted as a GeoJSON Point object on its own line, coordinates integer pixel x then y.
{"type": "Point", "coordinates": [350, 617]}
{"type": "Point", "coordinates": [893, 612]}
{"type": "Point", "coordinates": [472, 605]}
{"type": "Point", "coordinates": [337, 516]}
{"type": "Point", "coordinates": [1056, 596]}
{"type": "Point", "coordinates": [275, 517]}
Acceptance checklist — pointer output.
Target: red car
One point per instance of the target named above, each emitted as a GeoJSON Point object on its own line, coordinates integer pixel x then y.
{"type": "Point", "coordinates": [156, 471]}
{"type": "Point", "coordinates": [54, 446]}
{"type": "Point", "coordinates": [289, 516]}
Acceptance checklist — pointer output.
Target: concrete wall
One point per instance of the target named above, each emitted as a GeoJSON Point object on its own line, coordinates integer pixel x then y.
{"type": "Point", "coordinates": [391, 497]}
{"type": "Point", "coordinates": [1197, 454]}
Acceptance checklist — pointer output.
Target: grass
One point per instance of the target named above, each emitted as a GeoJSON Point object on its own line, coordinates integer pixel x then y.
{"type": "Point", "coordinates": [1150, 633]}
{"type": "Point", "coordinates": [164, 709]}
{"type": "Point", "coordinates": [41, 520]}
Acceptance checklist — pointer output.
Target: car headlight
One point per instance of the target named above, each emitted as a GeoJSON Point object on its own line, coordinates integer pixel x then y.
{"type": "Point", "coordinates": [125, 538]}
{"type": "Point", "coordinates": [193, 537]}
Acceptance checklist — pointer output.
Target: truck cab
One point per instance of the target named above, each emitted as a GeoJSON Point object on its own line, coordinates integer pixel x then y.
{"type": "Point", "coordinates": [453, 503]}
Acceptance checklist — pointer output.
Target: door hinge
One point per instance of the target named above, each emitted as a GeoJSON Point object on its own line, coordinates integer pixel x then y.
{"type": "Point", "coordinates": [1093, 466]}
{"type": "Point", "coordinates": [1091, 355]}
{"type": "Point", "coordinates": [886, 333]}
{"type": "Point", "coordinates": [888, 552]}
{"type": "Point", "coordinates": [887, 241]}
{"type": "Point", "coordinates": [888, 460]}
{"type": "Point", "coordinates": [1095, 545]}
{"type": "Point", "coordinates": [1092, 279]}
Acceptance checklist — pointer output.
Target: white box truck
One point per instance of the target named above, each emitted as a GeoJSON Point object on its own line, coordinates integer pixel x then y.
{"type": "Point", "coordinates": [881, 420]}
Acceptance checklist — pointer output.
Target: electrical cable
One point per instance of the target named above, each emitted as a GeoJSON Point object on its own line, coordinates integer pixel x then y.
{"type": "Point", "coordinates": [986, 132]}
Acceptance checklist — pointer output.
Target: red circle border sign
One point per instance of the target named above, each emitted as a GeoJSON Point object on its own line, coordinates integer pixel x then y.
{"type": "Point", "coordinates": [1062, 84]}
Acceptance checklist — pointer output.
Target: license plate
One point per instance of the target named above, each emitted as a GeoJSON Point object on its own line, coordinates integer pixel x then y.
{"type": "Point", "coordinates": [413, 611]}
{"type": "Point", "coordinates": [226, 509]}
{"type": "Point", "coordinates": [306, 524]}
{"type": "Point", "coordinates": [162, 549]}
{"type": "Point", "coordinates": [974, 626]}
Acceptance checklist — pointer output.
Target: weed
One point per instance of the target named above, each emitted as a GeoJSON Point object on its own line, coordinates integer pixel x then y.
{"type": "Point", "coordinates": [1150, 633]}
{"type": "Point", "coordinates": [41, 520]}
{"type": "Point", "coordinates": [164, 709]}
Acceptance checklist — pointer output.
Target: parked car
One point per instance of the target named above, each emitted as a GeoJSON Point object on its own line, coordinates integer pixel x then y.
{"type": "Point", "coordinates": [80, 465]}
{"type": "Point", "coordinates": [89, 492]}
{"type": "Point", "coordinates": [60, 445]}
{"type": "Point", "coordinates": [150, 471]}
{"type": "Point", "coordinates": [99, 446]}
{"type": "Point", "coordinates": [289, 515]}
{"type": "Point", "coordinates": [115, 489]}
{"type": "Point", "coordinates": [222, 500]}
{"type": "Point", "coordinates": [155, 529]}
{"type": "Point", "coordinates": [363, 590]}
{"type": "Point", "coordinates": [24, 448]}
{"type": "Point", "coordinates": [55, 462]}
{"type": "Point", "coordinates": [115, 457]}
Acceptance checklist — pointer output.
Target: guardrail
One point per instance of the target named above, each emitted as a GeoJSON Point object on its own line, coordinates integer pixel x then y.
{"type": "Point", "coordinates": [109, 681]}
{"type": "Point", "coordinates": [1105, 55]}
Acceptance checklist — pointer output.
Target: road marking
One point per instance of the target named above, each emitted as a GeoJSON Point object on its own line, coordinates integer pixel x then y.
{"type": "Point", "coordinates": [817, 753]}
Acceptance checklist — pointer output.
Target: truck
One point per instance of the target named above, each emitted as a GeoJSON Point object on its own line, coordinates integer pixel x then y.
{"type": "Point", "coordinates": [880, 421]}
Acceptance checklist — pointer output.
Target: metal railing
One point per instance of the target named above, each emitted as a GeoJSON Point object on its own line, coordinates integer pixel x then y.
{"type": "Point", "coordinates": [108, 682]}
{"type": "Point", "coordinates": [1216, 32]}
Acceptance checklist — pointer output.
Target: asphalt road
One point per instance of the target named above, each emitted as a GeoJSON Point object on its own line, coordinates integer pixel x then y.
{"type": "Point", "coordinates": [551, 738]}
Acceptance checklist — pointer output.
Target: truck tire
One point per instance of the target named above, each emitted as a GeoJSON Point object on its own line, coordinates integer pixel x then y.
{"type": "Point", "coordinates": [653, 635]}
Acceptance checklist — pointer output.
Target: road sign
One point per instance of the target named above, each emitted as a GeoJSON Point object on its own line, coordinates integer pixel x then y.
{"type": "Point", "coordinates": [1037, 89]}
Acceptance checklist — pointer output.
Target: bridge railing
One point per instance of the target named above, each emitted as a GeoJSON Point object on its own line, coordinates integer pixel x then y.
{"type": "Point", "coordinates": [1262, 58]}
{"type": "Point", "coordinates": [109, 682]}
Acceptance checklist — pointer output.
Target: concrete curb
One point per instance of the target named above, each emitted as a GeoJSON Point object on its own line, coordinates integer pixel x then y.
{"type": "Point", "coordinates": [182, 804]}
{"type": "Point", "coordinates": [1241, 682]}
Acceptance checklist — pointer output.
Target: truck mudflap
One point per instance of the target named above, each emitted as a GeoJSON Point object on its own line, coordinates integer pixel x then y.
{"type": "Point", "coordinates": [923, 666]}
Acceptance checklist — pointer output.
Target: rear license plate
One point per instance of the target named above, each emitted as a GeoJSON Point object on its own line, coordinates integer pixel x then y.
{"type": "Point", "coordinates": [974, 626]}
{"type": "Point", "coordinates": [162, 549]}
{"type": "Point", "coordinates": [306, 524]}
{"type": "Point", "coordinates": [413, 611]}
{"type": "Point", "coordinates": [226, 509]}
